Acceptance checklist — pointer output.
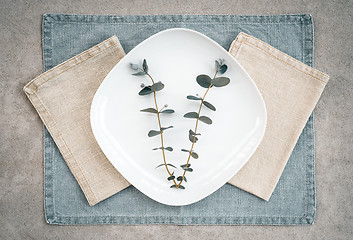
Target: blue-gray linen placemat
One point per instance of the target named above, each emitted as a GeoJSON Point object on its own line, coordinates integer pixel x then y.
{"type": "Point", "coordinates": [293, 201]}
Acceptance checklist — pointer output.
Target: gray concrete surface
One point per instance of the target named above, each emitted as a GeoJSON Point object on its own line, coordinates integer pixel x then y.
{"type": "Point", "coordinates": [21, 164]}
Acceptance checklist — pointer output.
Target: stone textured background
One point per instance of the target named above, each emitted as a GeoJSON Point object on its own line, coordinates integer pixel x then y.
{"type": "Point", "coordinates": [21, 147]}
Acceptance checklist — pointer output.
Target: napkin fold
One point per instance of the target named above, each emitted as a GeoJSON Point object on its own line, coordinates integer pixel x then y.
{"type": "Point", "coordinates": [62, 97]}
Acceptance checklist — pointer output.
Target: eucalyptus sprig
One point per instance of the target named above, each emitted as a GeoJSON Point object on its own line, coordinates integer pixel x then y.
{"type": "Point", "coordinates": [204, 81]}
{"type": "Point", "coordinates": [146, 90]}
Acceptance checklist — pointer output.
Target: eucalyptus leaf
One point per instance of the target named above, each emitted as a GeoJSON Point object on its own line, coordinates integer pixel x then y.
{"type": "Point", "coordinates": [191, 115]}
{"type": "Point", "coordinates": [189, 169]}
{"type": "Point", "coordinates": [209, 105]}
{"type": "Point", "coordinates": [145, 66]}
{"type": "Point", "coordinates": [171, 165]}
{"type": "Point", "coordinates": [139, 74]}
{"type": "Point", "coordinates": [149, 110]}
{"type": "Point", "coordinates": [184, 165]}
{"type": "Point", "coordinates": [145, 91]}
{"type": "Point", "coordinates": [168, 164]}
{"type": "Point", "coordinates": [180, 178]}
{"type": "Point", "coordinates": [205, 119]}
{"type": "Point", "coordinates": [168, 111]}
{"type": "Point", "coordinates": [173, 186]}
{"type": "Point", "coordinates": [157, 86]}
{"type": "Point", "coordinates": [220, 81]}
{"type": "Point", "coordinates": [181, 187]}
{"type": "Point", "coordinates": [153, 133]}
{"type": "Point", "coordinates": [165, 128]}
{"type": "Point", "coordinates": [193, 133]}
{"type": "Point", "coordinates": [134, 66]}
{"type": "Point", "coordinates": [223, 69]}
{"type": "Point", "coordinates": [217, 65]}
{"type": "Point", "coordinates": [160, 165]}
{"type": "Point", "coordinates": [171, 178]}
{"type": "Point", "coordinates": [190, 97]}
{"type": "Point", "coordinates": [194, 155]}
{"type": "Point", "coordinates": [204, 80]}
{"type": "Point", "coordinates": [191, 138]}
{"type": "Point", "coordinates": [170, 149]}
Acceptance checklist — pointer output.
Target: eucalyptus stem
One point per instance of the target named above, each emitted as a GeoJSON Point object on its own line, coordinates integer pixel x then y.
{"type": "Point", "coordinates": [204, 81]}
{"type": "Point", "coordinates": [160, 127]}
{"type": "Point", "coordinates": [195, 131]}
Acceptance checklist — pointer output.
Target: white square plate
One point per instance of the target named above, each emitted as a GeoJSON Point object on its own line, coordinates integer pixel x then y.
{"type": "Point", "coordinates": [176, 57]}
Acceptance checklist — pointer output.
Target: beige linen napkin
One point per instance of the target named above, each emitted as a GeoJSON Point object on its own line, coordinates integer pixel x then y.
{"type": "Point", "coordinates": [63, 95]}
{"type": "Point", "coordinates": [290, 90]}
